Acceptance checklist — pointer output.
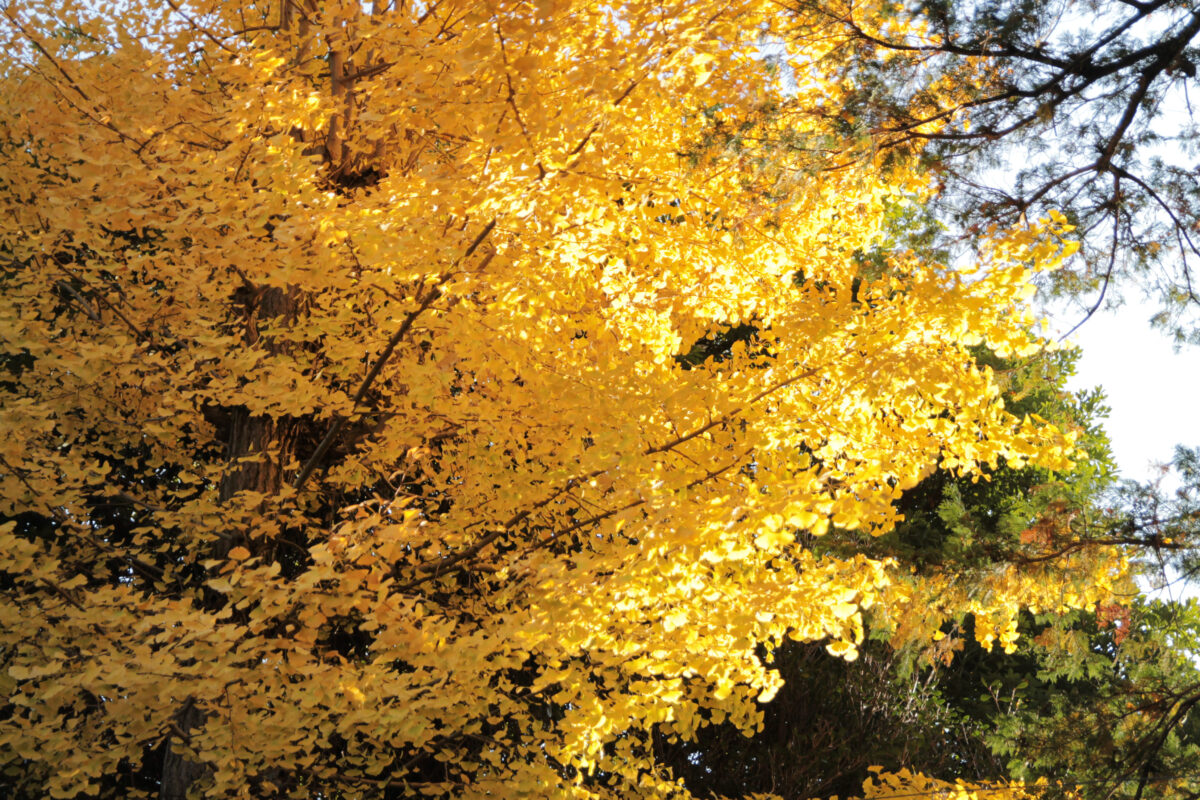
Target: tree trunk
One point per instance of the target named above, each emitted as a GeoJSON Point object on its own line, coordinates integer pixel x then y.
{"type": "Point", "coordinates": [273, 441]}
{"type": "Point", "coordinates": [178, 773]}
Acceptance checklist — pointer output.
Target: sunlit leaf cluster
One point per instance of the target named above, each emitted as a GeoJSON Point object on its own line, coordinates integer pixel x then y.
{"type": "Point", "coordinates": [350, 443]}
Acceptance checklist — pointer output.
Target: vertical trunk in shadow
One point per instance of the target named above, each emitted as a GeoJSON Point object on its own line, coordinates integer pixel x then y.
{"type": "Point", "coordinates": [178, 773]}
{"type": "Point", "coordinates": [271, 441]}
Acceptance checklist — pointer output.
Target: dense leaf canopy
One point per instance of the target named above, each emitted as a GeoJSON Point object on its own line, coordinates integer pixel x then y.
{"type": "Point", "coordinates": [464, 398]}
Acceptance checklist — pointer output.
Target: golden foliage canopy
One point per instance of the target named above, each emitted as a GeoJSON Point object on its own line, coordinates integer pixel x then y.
{"type": "Point", "coordinates": [348, 438]}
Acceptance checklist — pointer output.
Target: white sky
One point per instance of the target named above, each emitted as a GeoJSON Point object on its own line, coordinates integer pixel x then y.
{"type": "Point", "coordinates": [1153, 391]}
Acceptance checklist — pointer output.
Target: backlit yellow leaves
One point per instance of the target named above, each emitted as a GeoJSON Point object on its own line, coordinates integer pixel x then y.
{"type": "Point", "coordinates": [478, 243]}
{"type": "Point", "coordinates": [909, 784]}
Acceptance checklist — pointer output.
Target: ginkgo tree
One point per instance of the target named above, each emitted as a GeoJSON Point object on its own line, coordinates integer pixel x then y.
{"type": "Point", "coordinates": [350, 444]}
